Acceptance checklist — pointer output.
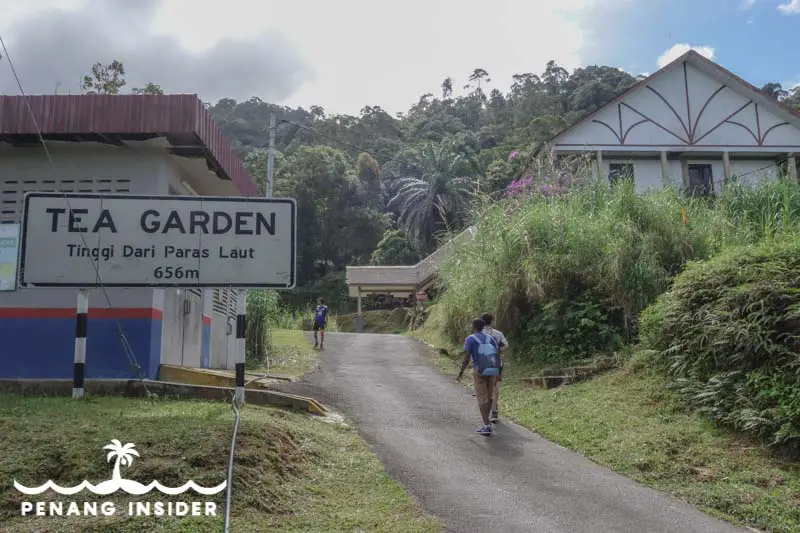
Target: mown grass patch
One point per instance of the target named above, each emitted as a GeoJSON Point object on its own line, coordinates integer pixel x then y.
{"type": "Point", "coordinates": [292, 353]}
{"type": "Point", "coordinates": [292, 472]}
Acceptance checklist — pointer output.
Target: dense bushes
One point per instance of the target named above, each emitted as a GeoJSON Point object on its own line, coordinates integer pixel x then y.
{"type": "Point", "coordinates": [729, 332]}
{"type": "Point", "coordinates": [618, 249]}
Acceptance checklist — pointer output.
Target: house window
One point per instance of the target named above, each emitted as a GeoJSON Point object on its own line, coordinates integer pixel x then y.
{"type": "Point", "coordinates": [700, 180]}
{"type": "Point", "coordinates": [620, 171]}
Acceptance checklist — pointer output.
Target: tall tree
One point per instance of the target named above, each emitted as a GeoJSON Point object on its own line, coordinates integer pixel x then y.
{"type": "Point", "coordinates": [150, 88]}
{"type": "Point", "coordinates": [447, 88]}
{"type": "Point", "coordinates": [478, 76]}
{"type": "Point", "coordinates": [104, 79]}
{"type": "Point", "coordinates": [434, 198]}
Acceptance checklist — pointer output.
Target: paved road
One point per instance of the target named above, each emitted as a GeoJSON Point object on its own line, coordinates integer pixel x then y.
{"type": "Point", "coordinates": [420, 425]}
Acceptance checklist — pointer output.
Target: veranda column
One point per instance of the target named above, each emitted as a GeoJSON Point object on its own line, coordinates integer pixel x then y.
{"type": "Point", "coordinates": [726, 167]}
{"type": "Point", "coordinates": [685, 172]}
{"type": "Point", "coordinates": [664, 168]}
{"type": "Point", "coordinates": [599, 161]}
{"type": "Point", "coordinates": [792, 163]}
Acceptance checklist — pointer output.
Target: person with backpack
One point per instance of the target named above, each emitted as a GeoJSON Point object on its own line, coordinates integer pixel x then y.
{"type": "Point", "coordinates": [320, 321]}
{"type": "Point", "coordinates": [503, 344]}
{"type": "Point", "coordinates": [484, 352]}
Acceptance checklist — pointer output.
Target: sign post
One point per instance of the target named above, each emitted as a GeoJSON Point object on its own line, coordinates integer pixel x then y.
{"type": "Point", "coordinates": [155, 242]}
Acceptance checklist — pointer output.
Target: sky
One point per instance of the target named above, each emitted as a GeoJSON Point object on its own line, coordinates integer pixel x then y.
{"type": "Point", "coordinates": [346, 54]}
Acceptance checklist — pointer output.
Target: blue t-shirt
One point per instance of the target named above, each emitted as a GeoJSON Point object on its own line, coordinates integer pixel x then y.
{"type": "Point", "coordinates": [320, 314]}
{"type": "Point", "coordinates": [471, 346]}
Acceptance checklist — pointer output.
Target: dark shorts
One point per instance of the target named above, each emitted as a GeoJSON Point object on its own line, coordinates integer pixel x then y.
{"type": "Point", "coordinates": [318, 327]}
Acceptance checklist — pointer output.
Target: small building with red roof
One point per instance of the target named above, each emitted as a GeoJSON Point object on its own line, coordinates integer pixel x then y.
{"type": "Point", "coordinates": [138, 144]}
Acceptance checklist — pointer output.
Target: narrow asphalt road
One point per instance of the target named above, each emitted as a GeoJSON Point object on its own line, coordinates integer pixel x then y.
{"type": "Point", "coordinates": [420, 425]}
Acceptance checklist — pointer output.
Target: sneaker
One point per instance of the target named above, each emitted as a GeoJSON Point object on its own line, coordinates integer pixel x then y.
{"type": "Point", "coordinates": [493, 418]}
{"type": "Point", "coordinates": [484, 430]}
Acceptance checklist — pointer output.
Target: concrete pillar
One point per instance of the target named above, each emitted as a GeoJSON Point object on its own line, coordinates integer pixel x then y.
{"type": "Point", "coordinates": [726, 167]}
{"type": "Point", "coordinates": [664, 169]}
{"type": "Point", "coordinates": [685, 172]}
{"type": "Point", "coordinates": [791, 161]}
{"type": "Point", "coordinates": [359, 316]}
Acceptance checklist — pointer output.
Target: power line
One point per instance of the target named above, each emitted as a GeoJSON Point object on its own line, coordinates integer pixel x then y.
{"type": "Point", "coordinates": [121, 332]}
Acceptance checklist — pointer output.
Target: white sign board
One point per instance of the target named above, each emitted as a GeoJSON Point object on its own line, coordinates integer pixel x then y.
{"type": "Point", "coordinates": [157, 241]}
{"type": "Point", "coordinates": [9, 241]}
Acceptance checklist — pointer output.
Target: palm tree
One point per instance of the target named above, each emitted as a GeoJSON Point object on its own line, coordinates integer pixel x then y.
{"type": "Point", "coordinates": [434, 199]}
{"type": "Point", "coordinates": [123, 454]}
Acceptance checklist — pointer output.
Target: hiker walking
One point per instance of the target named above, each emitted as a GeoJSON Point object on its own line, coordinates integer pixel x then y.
{"type": "Point", "coordinates": [503, 344]}
{"type": "Point", "coordinates": [483, 350]}
{"type": "Point", "coordinates": [320, 321]}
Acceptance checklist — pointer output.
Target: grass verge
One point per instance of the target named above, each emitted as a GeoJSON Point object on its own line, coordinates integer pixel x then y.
{"type": "Point", "coordinates": [292, 353]}
{"type": "Point", "coordinates": [292, 472]}
{"type": "Point", "coordinates": [379, 321]}
{"type": "Point", "coordinates": [627, 420]}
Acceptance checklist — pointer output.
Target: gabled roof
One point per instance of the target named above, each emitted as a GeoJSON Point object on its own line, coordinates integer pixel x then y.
{"type": "Point", "coordinates": [707, 67]}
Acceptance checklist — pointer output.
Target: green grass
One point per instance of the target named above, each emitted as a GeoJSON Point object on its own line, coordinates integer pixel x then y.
{"type": "Point", "coordinates": [292, 353]}
{"type": "Point", "coordinates": [378, 321]}
{"type": "Point", "coordinates": [628, 421]}
{"type": "Point", "coordinates": [292, 472]}
{"type": "Point", "coordinates": [621, 247]}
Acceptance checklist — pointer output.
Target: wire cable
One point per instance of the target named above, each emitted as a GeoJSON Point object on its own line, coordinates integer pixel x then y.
{"type": "Point", "coordinates": [131, 356]}
{"type": "Point", "coordinates": [228, 497]}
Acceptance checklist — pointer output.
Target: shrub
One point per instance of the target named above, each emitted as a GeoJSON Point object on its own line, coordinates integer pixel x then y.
{"type": "Point", "coordinates": [262, 307]}
{"type": "Point", "coordinates": [560, 232]}
{"type": "Point", "coordinates": [727, 332]}
{"type": "Point", "coordinates": [565, 329]}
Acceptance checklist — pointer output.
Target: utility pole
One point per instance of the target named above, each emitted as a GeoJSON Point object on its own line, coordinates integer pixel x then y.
{"type": "Point", "coordinates": [271, 155]}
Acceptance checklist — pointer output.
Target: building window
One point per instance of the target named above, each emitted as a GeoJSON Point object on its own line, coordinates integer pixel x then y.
{"type": "Point", "coordinates": [701, 180]}
{"type": "Point", "coordinates": [620, 171]}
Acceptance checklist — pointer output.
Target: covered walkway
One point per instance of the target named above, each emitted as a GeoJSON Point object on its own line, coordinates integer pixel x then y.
{"type": "Point", "coordinates": [400, 281]}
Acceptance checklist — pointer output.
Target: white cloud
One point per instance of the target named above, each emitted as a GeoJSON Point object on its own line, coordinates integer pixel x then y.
{"type": "Point", "coordinates": [747, 4]}
{"type": "Point", "coordinates": [679, 49]}
{"type": "Point", "coordinates": [351, 54]}
{"type": "Point", "coordinates": [792, 7]}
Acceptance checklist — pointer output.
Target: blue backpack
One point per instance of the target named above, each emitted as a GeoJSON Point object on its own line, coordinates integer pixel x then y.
{"type": "Point", "coordinates": [488, 360]}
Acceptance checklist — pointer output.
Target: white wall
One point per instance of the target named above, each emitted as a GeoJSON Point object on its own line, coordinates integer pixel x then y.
{"type": "Point", "coordinates": [97, 168]}
{"type": "Point", "coordinates": [647, 172]}
{"type": "Point", "coordinates": [79, 168]}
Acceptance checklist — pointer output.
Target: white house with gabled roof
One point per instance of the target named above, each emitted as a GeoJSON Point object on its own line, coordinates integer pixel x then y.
{"type": "Point", "coordinates": [693, 124]}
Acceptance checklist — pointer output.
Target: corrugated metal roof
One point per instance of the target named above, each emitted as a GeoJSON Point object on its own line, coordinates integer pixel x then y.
{"type": "Point", "coordinates": [125, 115]}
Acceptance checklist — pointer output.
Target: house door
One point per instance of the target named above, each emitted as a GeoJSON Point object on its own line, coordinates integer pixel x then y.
{"type": "Point", "coordinates": [182, 332]}
{"type": "Point", "coordinates": [192, 338]}
{"type": "Point", "coordinates": [701, 180]}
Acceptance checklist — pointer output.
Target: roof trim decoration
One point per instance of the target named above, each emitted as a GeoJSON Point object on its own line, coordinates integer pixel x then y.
{"type": "Point", "coordinates": [708, 67]}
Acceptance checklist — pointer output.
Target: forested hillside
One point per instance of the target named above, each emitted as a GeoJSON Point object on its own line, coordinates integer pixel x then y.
{"type": "Point", "coordinates": [378, 189]}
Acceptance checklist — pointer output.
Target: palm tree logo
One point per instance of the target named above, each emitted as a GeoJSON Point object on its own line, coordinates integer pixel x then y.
{"type": "Point", "coordinates": [123, 455]}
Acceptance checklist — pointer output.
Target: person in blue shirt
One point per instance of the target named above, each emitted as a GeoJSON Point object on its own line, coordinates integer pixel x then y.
{"type": "Point", "coordinates": [320, 321]}
{"type": "Point", "coordinates": [484, 352]}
